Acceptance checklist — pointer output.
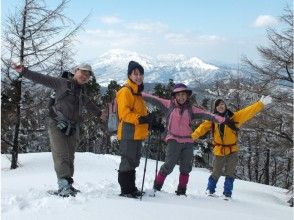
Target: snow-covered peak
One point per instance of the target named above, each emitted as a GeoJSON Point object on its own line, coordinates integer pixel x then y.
{"type": "Point", "coordinates": [121, 58]}
{"type": "Point", "coordinates": [113, 65]}
{"type": "Point", "coordinates": [195, 62]}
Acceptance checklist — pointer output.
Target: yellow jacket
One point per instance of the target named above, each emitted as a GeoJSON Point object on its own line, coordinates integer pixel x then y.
{"type": "Point", "coordinates": [228, 144]}
{"type": "Point", "coordinates": [130, 107]}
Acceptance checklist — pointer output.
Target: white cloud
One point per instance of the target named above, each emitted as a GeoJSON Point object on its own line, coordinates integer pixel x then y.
{"type": "Point", "coordinates": [145, 37]}
{"type": "Point", "coordinates": [110, 20]}
{"type": "Point", "coordinates": [157, 27]}
{"type": "Point", "coordinates": [211, 39]}
{"type": "Point", "coordinates": [103, 40]}
{"type": "Point", "coordinates": [176, 38]}
{"type": "Point", "coordinates": [193, 39]}
{"type": "Point", "coordinates": [265, 20]}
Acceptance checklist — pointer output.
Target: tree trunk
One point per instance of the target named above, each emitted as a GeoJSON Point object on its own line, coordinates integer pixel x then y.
{"type": "Point", "coordinates": [15, 147]}
{"type": "Point", "coordinates": [249, 163]}
{"type": "Point", "coordinates": [18, 90]}
{"type": "Point", "coordinates": [267, 167]}
{"type": "Point", "coordinates": [287, 177]}
{"type": "Point", "coordinates": [256, 165]}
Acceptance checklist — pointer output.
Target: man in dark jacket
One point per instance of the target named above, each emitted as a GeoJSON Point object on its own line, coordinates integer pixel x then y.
{"type": "Point", "coordinates": [64, 123]}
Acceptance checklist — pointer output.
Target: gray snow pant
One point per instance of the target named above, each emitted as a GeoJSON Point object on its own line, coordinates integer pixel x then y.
{"type": "Point", "coordinates": [130, 151]}
{"type": "Point", "coordinates": [229, 162]}
{"type": "Point", "coordinates": [178, 151]}
{"type": "Point", "coordinates": [63, 149]}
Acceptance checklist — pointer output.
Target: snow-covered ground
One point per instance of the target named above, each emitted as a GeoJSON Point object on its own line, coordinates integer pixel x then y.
{"type": "Point", "coordinates": [24, 196]}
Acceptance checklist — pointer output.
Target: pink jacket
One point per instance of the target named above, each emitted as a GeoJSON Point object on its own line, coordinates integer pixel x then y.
{"type": "Point", "coordinates": [178, 125]}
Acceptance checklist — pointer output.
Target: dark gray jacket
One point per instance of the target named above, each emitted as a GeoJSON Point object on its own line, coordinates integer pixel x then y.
{"type": "Point", "coordinates": [69, 105]}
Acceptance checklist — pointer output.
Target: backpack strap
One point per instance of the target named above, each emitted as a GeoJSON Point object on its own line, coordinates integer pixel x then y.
{"type": "Point", "coordinates": [68, 91]}
{"type": "Point", "coordinates": [69, 88]}
{"type": "Point", "coordinates": [170, 109]}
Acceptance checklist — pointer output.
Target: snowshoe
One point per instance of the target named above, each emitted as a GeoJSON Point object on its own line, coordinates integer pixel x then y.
{"type": "Point", "coordinates": [62, 193]}
{"type": "Point", "coordinates": [74, 189]}
{"type": "Point", "coordinates": [227, 197]}
{"type": "Point", "coordinates": [129, 195]}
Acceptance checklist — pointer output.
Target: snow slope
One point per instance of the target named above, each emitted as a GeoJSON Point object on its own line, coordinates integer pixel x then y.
{"type": "Point", "coordinates": [24, 196]}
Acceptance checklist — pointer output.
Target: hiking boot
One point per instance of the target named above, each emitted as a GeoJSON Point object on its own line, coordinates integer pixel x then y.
{"type": "Point", "coordinates": [227, 197]}
{"type": "Point", "coordinates": [65, 188]}
{"type": "Point", "coordinates": [156, 186]}
{"type": "Point", "coordinates": [210, 193]}
{"type": "Point", "coordinates": [138, 193]}
{"type": "Point", "coordinates": [181, 191]}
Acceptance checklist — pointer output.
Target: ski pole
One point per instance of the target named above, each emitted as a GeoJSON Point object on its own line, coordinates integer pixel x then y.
{"type": "Point", "coordinates": [158, 152]}
{"type": "Point", "coordinates": [146, 157]}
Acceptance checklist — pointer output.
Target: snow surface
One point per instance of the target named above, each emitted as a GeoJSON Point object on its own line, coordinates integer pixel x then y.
{"type": "Point", "coordinates": [24, 196]}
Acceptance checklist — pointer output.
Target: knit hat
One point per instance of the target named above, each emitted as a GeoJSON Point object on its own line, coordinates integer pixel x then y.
{"type": "Point", "coordinates": [180, 87]}
{"type": "Point", "coordinates": [133, 65]}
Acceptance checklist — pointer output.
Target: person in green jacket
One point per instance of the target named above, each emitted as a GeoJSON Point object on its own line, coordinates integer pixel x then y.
{"type": "Point", "coordinates": [63, 126]}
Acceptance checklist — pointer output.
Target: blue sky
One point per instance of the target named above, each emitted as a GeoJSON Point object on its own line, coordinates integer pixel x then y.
{"type": "Point", "coordinates": [212, 30]}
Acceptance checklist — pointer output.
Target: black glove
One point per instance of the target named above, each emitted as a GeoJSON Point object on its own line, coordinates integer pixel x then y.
{"type": "Point", "coordinates": [145, 119]}
{"type": "Point", "coordinates": [156, 125]}
{"type": "Point", "coordinates": [231, 124]}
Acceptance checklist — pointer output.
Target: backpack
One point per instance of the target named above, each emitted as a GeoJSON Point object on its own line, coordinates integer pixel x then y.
{"type": "Point", "coordinates": [113, 120]}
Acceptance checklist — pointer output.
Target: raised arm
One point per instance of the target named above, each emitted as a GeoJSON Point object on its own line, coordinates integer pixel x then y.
{"type": "Point", "coordinates": [201, 130]}
{"type": "Point", "coordinates": [161, 103]}
{"type": "Point", "coordinates": [247, 113]}
{"type": "Point", "coordinates": [48, 81]}
{"type": "Point", "coordinates": [203, 114]}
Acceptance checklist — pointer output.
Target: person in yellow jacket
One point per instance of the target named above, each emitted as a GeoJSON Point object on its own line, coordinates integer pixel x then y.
{"type": "Point", "coordinates": [225, 139]}
{"type": "Point", "coordinates": [133, 125]}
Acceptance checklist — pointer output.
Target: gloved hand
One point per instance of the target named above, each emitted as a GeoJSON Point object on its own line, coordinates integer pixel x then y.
{"type": "Point", "coordinates": [156, 125]}
{"type": "Point", "coordinates": [17, 68]}
{"type": "Point", "coordinates": [266, 100]}
{"type": "Point", "coordinates": [231, 124]}
{"type": "Point", "coordinates": [146, 119]}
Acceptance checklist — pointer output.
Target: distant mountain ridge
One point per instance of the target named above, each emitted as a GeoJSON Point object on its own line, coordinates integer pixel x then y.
{"type": "Point", "coordinates": [113, 66]}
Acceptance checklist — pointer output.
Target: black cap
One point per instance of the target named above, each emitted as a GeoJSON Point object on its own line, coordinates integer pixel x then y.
{"type": "Point", "coordinates": [133, 65]}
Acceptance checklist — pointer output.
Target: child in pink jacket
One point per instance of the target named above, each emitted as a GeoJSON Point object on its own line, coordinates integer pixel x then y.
{"type": "Point", "coordinates": [179, 114]}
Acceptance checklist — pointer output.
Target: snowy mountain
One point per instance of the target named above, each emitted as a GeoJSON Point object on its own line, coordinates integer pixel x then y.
{"type": "Point", "coordinates": [113, 66]}
{"type": "Point", "coordinates": [24, 197]}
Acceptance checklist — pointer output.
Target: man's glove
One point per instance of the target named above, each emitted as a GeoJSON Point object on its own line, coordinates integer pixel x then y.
{"type": "Point", "coordinates": [266, 100]}
{"type": "Point", "coordinates": [231, 124]}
